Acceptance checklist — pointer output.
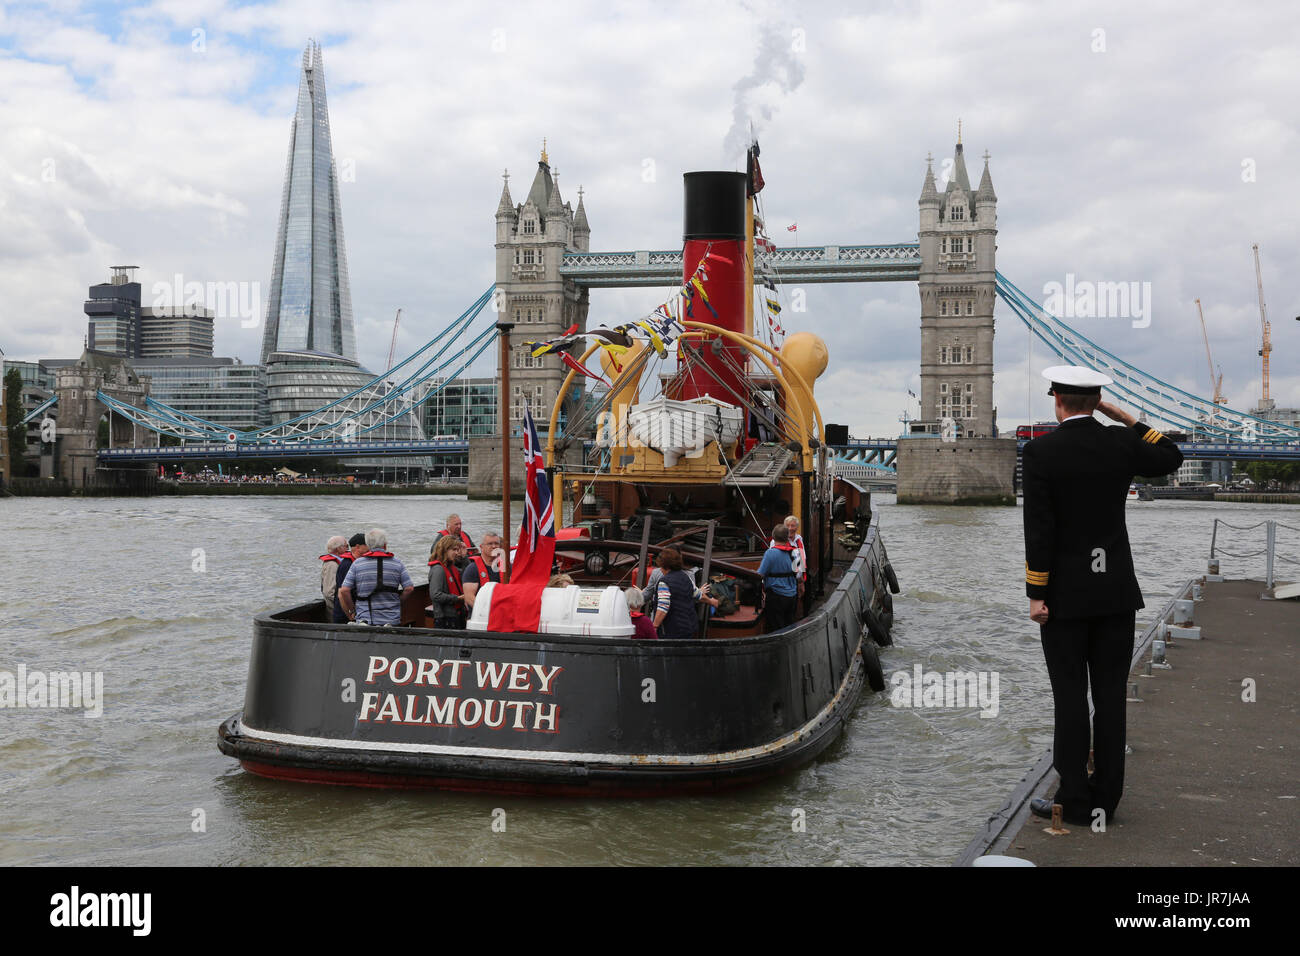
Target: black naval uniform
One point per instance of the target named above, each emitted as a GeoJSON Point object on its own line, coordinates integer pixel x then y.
{"type": "Point", "coordinates": [1077, 560]}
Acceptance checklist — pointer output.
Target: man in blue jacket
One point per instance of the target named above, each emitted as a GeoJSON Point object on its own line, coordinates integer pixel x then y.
{"type": "Point", "coordinates": [780, 582]}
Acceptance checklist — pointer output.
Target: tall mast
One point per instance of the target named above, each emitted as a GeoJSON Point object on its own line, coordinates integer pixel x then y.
{"type": "Point", "coordinates": [749, 256]}
{"type": "Point", "coordinates": [503, 407]}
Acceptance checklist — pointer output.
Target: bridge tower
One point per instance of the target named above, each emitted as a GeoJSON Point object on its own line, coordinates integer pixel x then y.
{"type": "Point", "coordinates": [531, 240]}
{"type": "Point", "coordinates": [80, 410]}
{"type": "Point", "coordinates": [958, 237]}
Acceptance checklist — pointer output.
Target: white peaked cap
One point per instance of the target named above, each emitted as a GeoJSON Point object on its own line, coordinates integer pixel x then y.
{"type": "Point", "coordinates": [1076, 376]}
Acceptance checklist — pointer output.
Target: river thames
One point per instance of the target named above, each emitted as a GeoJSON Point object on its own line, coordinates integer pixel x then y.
{"type": "Point", "coordinates": [159, 595]}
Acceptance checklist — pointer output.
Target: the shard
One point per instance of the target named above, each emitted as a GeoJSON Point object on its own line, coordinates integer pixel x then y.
{"type": "Point", "coordinates": [309, 346]}
{"type": "Point", "coordinates": [309, 303]}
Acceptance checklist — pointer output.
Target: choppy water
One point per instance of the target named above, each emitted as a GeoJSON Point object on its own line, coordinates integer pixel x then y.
{"type": "Point", "coordinates": [110, 585]}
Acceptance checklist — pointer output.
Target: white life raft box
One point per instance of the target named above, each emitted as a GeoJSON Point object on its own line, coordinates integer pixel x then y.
{"type": "Point", "coordinates": [573, 611]}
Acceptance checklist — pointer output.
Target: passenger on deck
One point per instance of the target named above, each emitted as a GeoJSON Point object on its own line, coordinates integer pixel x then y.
{"type": "Point", "coordinates": [376, 583]}
{"type": "Point", "coordinates": [780, 582]}
{"type": "Point", "coordinates": [795, 540]}
{"type": "Point", "coordinates": [472, 577]}
{"type": "Point", "coordinates": [329, 571]}
{"type": "Point", "coordinates": [675, 616]}
{"type": "Point", "coordinates": [560, 581]}
{"type": "Point", "coordinates": [357, 547]}
{"type": "Point", "coordinates": [650, 593]}
{"type": "Point", "coordinates": [456, 531]}
{"type": "Point", "coordinates": [644, 629]}
{"type": "Point", "coordinates": [446, 587]}
{"type": "Point", "coordinates": [799, 557]}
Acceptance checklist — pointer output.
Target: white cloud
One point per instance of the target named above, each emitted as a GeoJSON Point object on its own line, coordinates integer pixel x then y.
{"type": "Point", "coordinates": [1119, 165]}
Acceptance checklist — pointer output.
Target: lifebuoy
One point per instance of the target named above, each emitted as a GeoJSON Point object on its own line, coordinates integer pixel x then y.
{"type": "Point", "coordinates": [596, 562]}
{"type": "Point", "coordinates": [871, 664]}
{"type": "Point", "coordinates": [876, 627]}
{"type": "Point", "coordinates": [891, 577]}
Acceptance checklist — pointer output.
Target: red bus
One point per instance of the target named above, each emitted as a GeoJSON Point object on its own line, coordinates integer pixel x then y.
{"type": "Point", "coordinates": [1025, 432]}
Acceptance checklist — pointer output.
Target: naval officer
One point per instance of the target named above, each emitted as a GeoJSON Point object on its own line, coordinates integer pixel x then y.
{"type": "Point", "coordinates": [1080, 580]}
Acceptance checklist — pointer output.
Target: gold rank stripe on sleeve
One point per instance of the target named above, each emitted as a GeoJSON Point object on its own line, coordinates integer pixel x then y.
{"type": "Point", "coordinates": [1152, 436]}
{"type": "Point", "coordinates": [1038, 578]}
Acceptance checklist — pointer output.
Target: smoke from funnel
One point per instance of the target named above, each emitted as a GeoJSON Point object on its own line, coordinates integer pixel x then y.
{"type": "Point", "coordinates": [778, 70]}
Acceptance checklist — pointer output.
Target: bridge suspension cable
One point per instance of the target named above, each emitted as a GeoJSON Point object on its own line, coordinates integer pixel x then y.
{"type": "Point", "coordinates": [377, 403]}
{"type": "Point", "coordinates": [1155, 397]}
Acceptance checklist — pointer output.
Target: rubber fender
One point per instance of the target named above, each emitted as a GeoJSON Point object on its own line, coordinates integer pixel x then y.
{"type": "Point", "coordinates": [891, 578]}
{"type": "Point", "coordinates": [871, 664]}
{"type": "Point", "coordinates": [876, 627]}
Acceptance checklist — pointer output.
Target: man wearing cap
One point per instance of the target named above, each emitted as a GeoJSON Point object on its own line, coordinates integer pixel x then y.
{"type": "Point", "coordinates": [1079, 577]}
{"type": "Point", "coordinates": [357, 547]}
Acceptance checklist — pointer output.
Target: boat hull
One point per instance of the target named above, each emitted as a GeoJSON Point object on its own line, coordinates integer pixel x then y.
{"type": "Point", "coordinates": [419, 708]}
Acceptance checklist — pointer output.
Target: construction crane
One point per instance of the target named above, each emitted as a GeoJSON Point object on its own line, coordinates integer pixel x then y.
{"type": "Point", "coordinates": [1265, 346]}
{"type": "Point", "coordinates": [392, 347]}
{"type": "Point", "coordinates": [1216, 381]}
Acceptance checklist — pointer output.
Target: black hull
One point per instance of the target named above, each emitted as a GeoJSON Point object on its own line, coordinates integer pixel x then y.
{"type": "Point", "coordinates": [591, 716]}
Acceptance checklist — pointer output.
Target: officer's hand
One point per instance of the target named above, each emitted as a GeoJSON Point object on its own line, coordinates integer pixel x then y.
{"type": "Point", "coordinates": [1037, 611]}
{"type": "Point", "coordinates": [1114, 413]}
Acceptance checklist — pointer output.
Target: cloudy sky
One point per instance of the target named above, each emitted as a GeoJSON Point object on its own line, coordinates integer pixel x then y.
{"type": "Point", "coordinates": [1147, 143]}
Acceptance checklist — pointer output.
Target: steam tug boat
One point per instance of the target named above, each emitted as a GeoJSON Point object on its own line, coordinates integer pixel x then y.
{"type": "Point", "coordinates": [727, 442]}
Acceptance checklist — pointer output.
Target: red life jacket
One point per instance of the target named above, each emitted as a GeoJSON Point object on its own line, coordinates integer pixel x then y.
{"type": "Point", "coordinates": [378, 554]}
{"type": "Point", "coordinates": [329, 557]}
{"type": "Point", "coordinates": [454, 584]}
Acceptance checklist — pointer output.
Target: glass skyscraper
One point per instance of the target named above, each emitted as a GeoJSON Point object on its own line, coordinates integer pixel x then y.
{"type": "Point", "coordinates": [309, 345]}
{"type": "Point", "coordinates": [309, 305]}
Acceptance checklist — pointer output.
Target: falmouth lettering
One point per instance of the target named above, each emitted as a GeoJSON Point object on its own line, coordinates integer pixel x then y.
{"type": "Point", "coordinates": [455, 710]}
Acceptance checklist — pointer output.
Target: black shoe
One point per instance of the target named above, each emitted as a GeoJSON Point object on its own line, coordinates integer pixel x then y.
{"type": "Point", "coordinates": [1041, 807]}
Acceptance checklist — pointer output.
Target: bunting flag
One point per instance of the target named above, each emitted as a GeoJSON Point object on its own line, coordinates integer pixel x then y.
{"type": "Point", "coordinates": [567, 339]}
{"type": "Point", "coordinates": [699, 287]}
{"type": "Point", "coordinates": [577, 366]}
{"type": "Point", "coordinates": [614, 351]}
{"type": "Point", "coordinates": [615, 337]}
{"type": "Point", "coordinates": [661, 327]}
{"type": "Point", "coordinates": [762, 242]}
{"type": "Point", "coordinates": [773, 306]}
{"type": "Point", "coordinates": [769, 283]}
{"type": "Point", "coordinates": [655, 340]}
{"type": "Point", "coordinates": [755, 182]}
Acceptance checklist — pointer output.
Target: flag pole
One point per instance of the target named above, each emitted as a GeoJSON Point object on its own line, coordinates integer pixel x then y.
{"type": "Point", "coordinates": [503, 407]}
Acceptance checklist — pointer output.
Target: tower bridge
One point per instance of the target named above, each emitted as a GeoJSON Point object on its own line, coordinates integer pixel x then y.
{"type": "Point", "coordinates": [545, 271]}
{"type": "Point", "coordinates": [894, 262]}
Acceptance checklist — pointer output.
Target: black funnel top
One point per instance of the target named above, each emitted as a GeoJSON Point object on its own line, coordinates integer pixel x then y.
{"type": "Point", "coordinates": [715, 206]}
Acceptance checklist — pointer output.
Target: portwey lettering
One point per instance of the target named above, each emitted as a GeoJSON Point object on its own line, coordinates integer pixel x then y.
{"type": "Point", "coordinates": [443, 710]}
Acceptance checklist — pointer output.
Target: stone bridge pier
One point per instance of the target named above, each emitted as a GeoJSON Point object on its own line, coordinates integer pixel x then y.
{"type": "Point", "coordinates": [80, 412]}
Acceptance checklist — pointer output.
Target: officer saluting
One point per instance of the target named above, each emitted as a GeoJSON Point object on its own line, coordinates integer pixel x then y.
{"type": "Point", "coordinates": [1080, 580]}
